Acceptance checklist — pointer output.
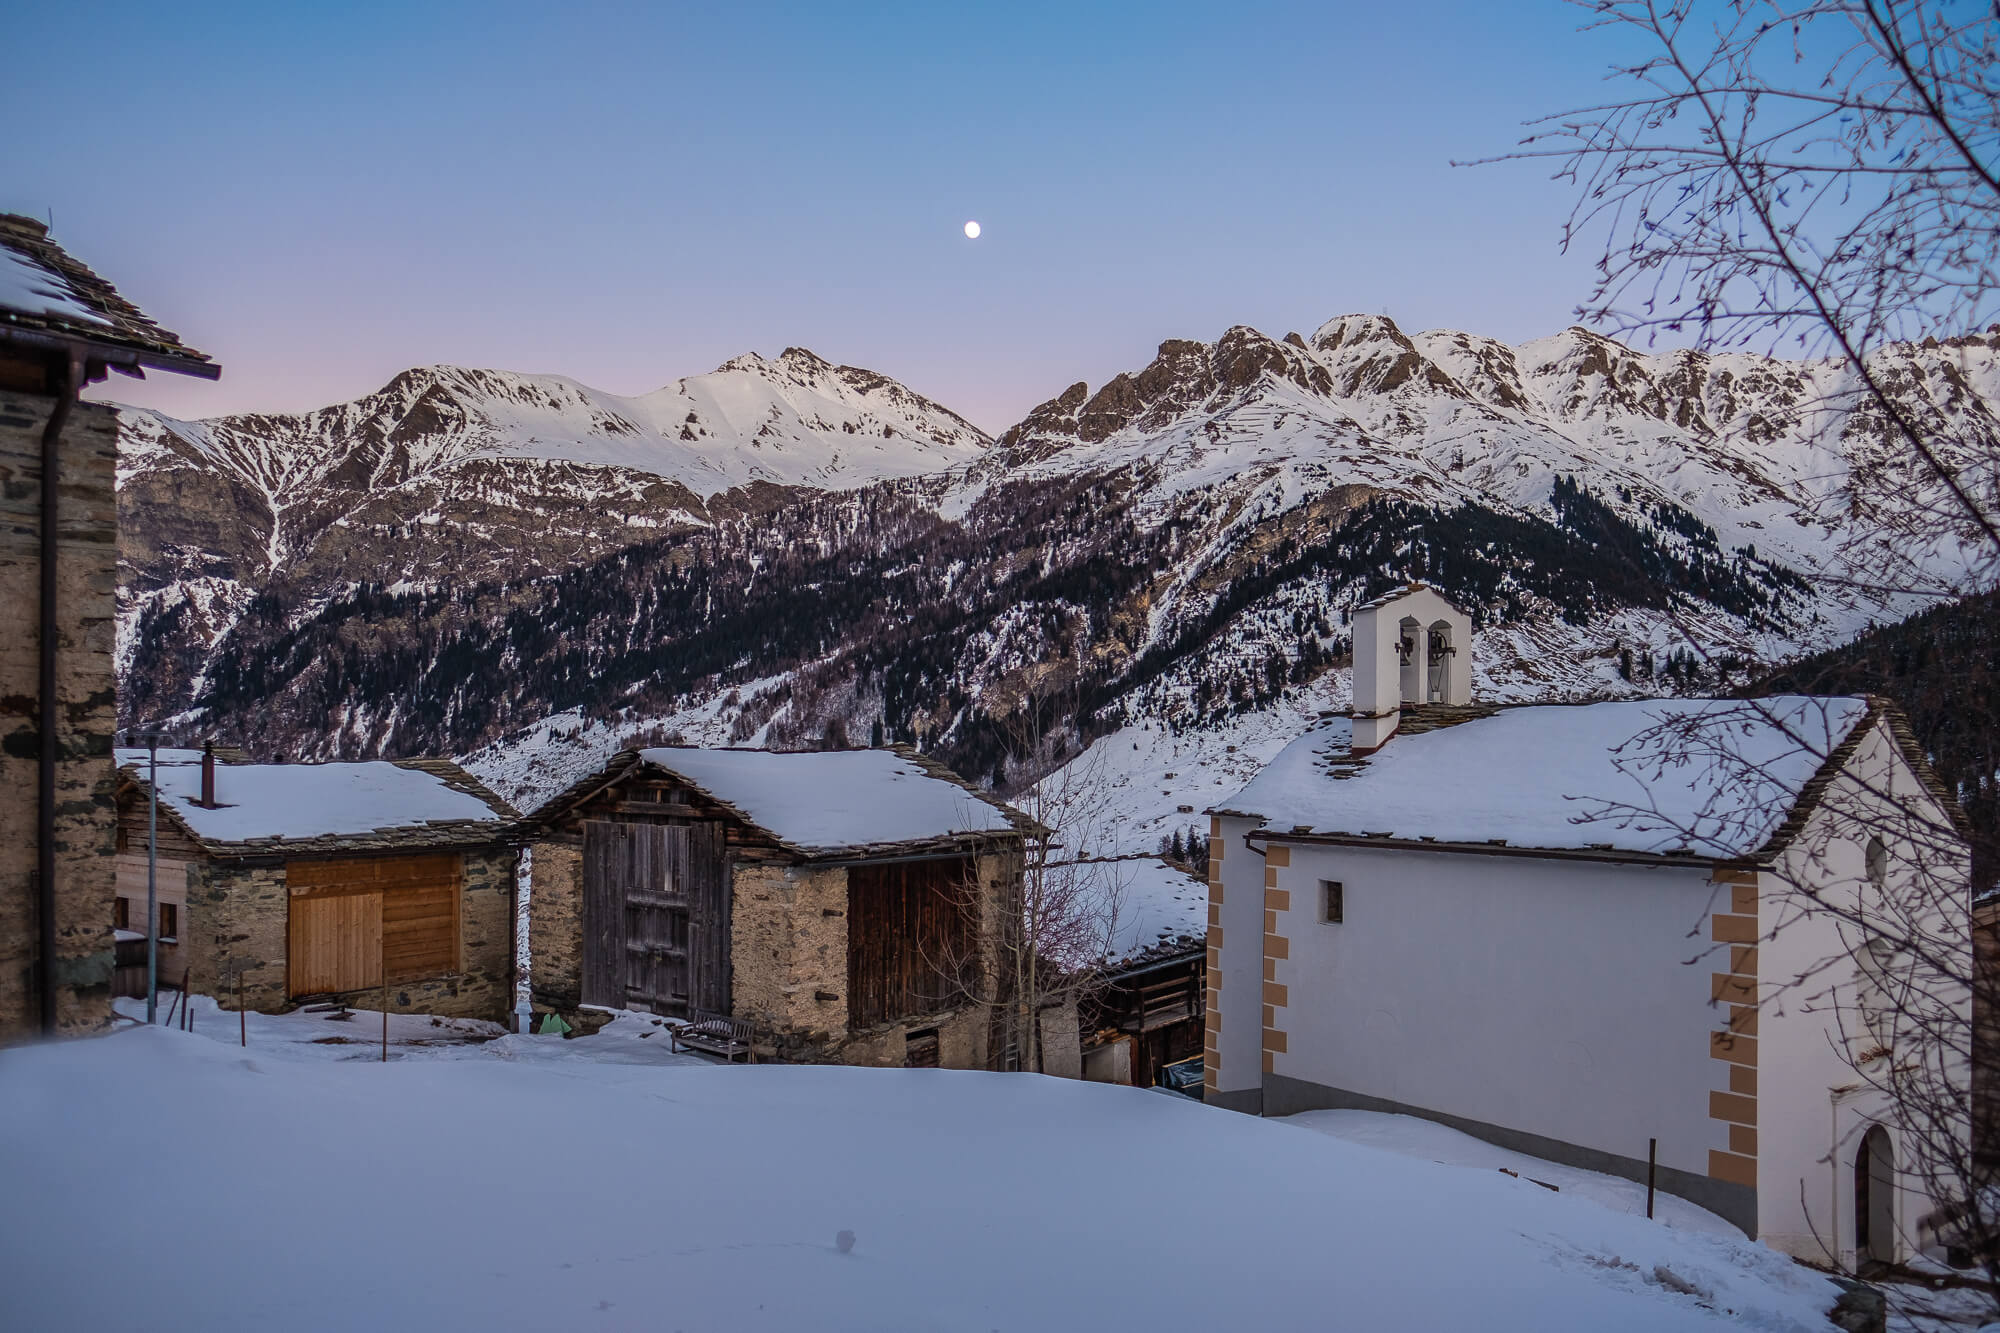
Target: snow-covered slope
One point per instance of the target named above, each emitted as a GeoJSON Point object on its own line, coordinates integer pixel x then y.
{"type": "Point", "coordinates": [443, 1190]}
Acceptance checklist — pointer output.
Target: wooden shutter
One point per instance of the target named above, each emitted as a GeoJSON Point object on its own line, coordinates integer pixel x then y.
{"type": "Point", "coordinates": [603, 915]}
{"type": "Point", "coordinates": [708, 891]}
{"type": "Point", "coordinates": [401, 911]}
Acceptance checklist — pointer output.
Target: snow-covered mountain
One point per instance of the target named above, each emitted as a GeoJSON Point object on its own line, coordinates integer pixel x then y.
{"type": "Point", "coordinates": [521, 566]}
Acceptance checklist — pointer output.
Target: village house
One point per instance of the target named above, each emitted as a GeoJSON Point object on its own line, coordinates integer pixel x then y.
{"type": "Point", "coordinates": [844, 906]}
{"type": "Point", "coordinates": [381, 884]}
{"type": "Point", "coordinates": [1603, 934]}
{"type": "Point", "coordinates": [61, 328]}
{"type": "Point", "coordinates": [1136, 1011]}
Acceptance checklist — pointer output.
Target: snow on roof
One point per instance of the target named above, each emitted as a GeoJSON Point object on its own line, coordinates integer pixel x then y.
{"type": "Point", "coordinates": [825, 800]}
{"type": "Point", "coordinates": [1713, 777]}
{"type": "Point", "coordinates": [300, 801]}
{"type": "Point", "coordinates": [34, 290]}
{"type": "Point", "coordinates": [45, 292]}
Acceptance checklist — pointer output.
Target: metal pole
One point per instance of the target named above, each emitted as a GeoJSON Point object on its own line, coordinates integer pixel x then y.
{"type": "Point", "coordinates": [48, 712]}
{"type": "Point", "coordinates": [152, 879]}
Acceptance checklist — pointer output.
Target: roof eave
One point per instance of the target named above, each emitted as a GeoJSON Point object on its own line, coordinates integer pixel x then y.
{"type": "Point", "coordinates": [1612, 855]}
{"type": "Point", "coordinates": [110, 352]}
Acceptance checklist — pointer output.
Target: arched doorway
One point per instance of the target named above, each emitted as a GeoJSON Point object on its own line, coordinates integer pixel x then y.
{"type": "Point", "coordinates": [1409, 646]}
{"type": "Point", "coordinates": [1437, 689]}
{"type": "Point", "coordinates": [1874, 1199]}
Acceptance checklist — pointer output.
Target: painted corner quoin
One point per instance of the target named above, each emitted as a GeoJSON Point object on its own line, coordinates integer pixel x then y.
{"type": "Point", "coordinates": [1733, 930]}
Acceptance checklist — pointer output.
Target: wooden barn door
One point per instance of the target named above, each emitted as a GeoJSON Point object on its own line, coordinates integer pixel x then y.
{"type": "Point", "coordinates": [708, 891]}
{"type": "Point", "coordinates": [655, 917]}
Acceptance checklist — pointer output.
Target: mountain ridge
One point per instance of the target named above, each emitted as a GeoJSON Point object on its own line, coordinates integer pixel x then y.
{"type": "Point", "coordinates": [1179, 545]}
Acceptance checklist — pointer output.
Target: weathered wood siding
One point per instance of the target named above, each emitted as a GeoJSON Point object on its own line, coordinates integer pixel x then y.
{"type": "Point", "coordinates": [656, 916]}
{"type": "Point", "coordinates": [335, 943]}
{"type": "Point", "coordinates": [911, 944]}
{"type": "Point", "coordinates": [360, 921]}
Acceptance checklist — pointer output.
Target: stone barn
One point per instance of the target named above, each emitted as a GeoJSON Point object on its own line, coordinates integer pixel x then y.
{"type": "Point", "coordinates": [350, 882]}
{"type": "Point", "coordinates": [850, 905]}
{"type": "Point", "coordinates": [61, 328]}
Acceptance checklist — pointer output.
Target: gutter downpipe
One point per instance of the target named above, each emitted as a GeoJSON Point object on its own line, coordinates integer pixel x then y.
{"type": "Point", "coordinates": [45, 812]}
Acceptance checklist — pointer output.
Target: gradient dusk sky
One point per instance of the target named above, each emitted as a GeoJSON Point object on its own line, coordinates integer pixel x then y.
{"type": "Point", "coordinates": [322, 195]}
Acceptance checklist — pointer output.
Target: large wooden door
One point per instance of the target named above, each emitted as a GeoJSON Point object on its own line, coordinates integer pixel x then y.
{"type": "Point", "coordinates": [655, 918]}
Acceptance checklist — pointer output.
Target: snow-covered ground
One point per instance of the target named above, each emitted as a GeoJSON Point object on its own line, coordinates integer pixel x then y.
{"type": "Point", "coordinates": [630, 1038]}
{"type": "Point", "coordinates": [480, 1187]}
{"type": "Point", "coordinates": [1412, 1136]}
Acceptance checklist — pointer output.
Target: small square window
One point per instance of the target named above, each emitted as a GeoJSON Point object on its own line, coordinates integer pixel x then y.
{"type": "Point", "coordinates": [1332, 904]}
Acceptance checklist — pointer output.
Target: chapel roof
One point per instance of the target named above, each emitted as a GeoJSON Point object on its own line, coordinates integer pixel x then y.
{"type": "Point", "coordinates": [1707, 779]}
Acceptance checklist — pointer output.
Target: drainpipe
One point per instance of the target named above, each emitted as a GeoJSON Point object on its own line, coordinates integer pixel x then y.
{"type": "Point", "coordinates": [67, 384]}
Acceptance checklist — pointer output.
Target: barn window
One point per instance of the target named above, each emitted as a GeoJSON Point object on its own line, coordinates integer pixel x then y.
{"type": "Point", "coordinates": [358, 923]}
{"type": "Point", "coordinates": [170, 922]}
{"type": "Point", "coordinates": [121, 913]}
{"type": "Point", "coordinates": [1332, 902]}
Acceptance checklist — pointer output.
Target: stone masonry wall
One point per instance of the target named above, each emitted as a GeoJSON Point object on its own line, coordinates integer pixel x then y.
{"type": "Point", "coordinates": [788, 946]}
{"type": "Point", "coordinates": [237, 918]}
{"type": "Point", "coordinates": [238, 923]}
{"type": "Point", "coordinates": [789, 937]}
{"type": "Point", "coordinates": [555, 926]}
{"type": "Point", "coordinates": [86, 818]}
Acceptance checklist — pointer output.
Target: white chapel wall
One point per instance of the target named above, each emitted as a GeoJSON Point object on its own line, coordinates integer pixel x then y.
{"type": "Point", "coordinates": [1545, 996]}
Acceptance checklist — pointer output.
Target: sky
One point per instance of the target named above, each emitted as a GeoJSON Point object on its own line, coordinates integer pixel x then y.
{"type": "Point", "coordinates": [320, 196]}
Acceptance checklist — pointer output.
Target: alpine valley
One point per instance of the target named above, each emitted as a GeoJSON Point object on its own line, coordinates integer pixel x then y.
{"type": "Point", "coordinates": [528, 572]}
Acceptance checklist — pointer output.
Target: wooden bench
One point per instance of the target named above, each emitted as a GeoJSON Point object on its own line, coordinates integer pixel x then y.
{"type": "Point", "coordinates": [716, 1034]}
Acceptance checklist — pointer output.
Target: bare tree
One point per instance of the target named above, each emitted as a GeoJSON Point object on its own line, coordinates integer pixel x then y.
{"type": "Point", "coordinates": [1823, 176]}
{"type": "Point", "coordinates": [1072, 904]}
{"type": "Point", "coordinates": [1818, 175]}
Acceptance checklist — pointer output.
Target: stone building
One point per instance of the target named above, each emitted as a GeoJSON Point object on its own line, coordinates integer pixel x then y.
{"type": "Point", "coordinates": [851, 905]}
{"type": "Point", "coordinates": [324, 882]}
{"type": "Point", "coordinates": [61, 328]}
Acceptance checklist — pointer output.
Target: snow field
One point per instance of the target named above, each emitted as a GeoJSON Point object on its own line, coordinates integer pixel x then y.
{"type": "Point", "coordinates": [495, 1193]}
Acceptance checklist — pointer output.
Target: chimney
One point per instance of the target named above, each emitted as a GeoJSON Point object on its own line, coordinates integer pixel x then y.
{"type": "Point", "coordinates": [207, 801]}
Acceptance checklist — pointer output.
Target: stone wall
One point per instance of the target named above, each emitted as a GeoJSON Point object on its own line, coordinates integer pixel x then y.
{"type": "Point", "coordinates": [555, 926]}
{"type": "Point", "coordinates": [788, 950]}
{"type": "Point", "coordinates": [962, 1041]}
{"type": "Point", "coordinates": [238, 919]}
{"type": "Point", "coordinates": [85, 815]}
{"type": "Point", "coordinates": [789, 947]}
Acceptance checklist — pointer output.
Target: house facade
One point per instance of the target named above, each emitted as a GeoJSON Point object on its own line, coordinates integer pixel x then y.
{"type": "Point", "coordinates": [851, 905]}
{"type": "Point", "coordinates": [382, 884]}
{"type": "Point", "coordinates": [1613, 935]}
{"type": "Point", "coordinates": [61, 328]}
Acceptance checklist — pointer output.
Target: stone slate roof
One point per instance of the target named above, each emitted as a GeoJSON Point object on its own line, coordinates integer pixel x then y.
{"type": "Point", "coordinates": [427, 835]}
{"type": "Point", "coordinates": [127, 339]}
{"type": "Point", "coordinates": [636, 762]}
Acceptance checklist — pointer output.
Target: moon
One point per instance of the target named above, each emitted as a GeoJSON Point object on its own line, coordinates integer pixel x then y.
{"type": "Point", "coordinates": [972, 231]}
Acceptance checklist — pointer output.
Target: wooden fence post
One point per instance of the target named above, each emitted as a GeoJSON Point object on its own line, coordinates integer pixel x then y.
{"type": "Point", "coordinates": [1652, 1161]}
